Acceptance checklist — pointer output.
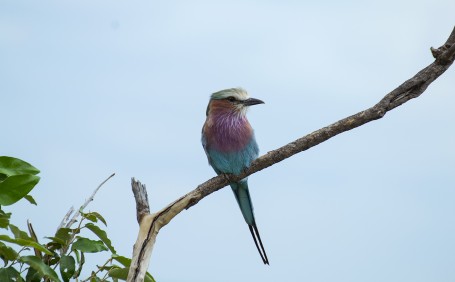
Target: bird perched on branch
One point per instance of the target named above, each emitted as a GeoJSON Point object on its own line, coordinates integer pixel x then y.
{"type": "Point", "coordinates": [230, 146]}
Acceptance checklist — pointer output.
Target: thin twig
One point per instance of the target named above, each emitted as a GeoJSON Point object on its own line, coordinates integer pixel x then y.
{"type": "Point", "coordinates": [76, 215]}
{"type": "Point", "coordinates": [100, 268]}
{"type": "Point", "coordinates": [65, 218]}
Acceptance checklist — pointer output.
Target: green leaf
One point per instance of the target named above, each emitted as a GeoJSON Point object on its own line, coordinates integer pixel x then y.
{"type": "Point", "coordinates": [12, 166]}
{"type": "Point", "coordinates": [122, 273]}
{"type": "Point", "coordinates": [94, 217]}
{"type": "Point", "coordinates": [10, 274]}
{"type": "Point", "coordinates": [25, 243]}
{"type": "Point", "coordinates": [33, 275]}
{"type": "Point", "coordinates": [148, 277]}
{"type": "Point", "coordinates": [127, 262]}
{"type": "Point", "coordinates": [78, 257]}
{"type": "Point", "coordinates": [62, 236]}
{"type": "Point", "coordinates": [100, 217]}
{"type": "Point", "coordinates": [94, 278]}
{"type": "Point", "coordinates": [30, 199]}
{"type": "Point", "coordinates": [119, 273]}
{"type": "Point", "coordinates": [123, 260]}
{"type": "Point", "coordinates": [89, 216]}
{"type": "Point", "coordinates": [4, 219]}
{"type": "Point", "coordinates": [15, 187]}
{"type": "Point", "coordinates": [102, 235]}
{"type": "Point", "coordinates": [89, 246]}
{"type": "Point", "coordinates": [53, 260]}
{"type": "Point", "coordinates": [81, 263]}
{"type": "Point", "coordinates": [19, 234]}
{"type": "Point", "coordinates": [7, 253]}
{"type": "Point", "coordinates": [67, 267]}
{"type": "Point", "coordinates": [52, 246]}
{"type": "Point", "coordinates": [40, 266]}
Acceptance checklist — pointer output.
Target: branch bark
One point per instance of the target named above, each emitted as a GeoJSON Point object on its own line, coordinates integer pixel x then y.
{"type": "Point", "coordinates": [150, 224]}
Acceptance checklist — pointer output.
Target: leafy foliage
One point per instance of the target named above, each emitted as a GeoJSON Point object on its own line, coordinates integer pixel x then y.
{"type": "Point", "coordinates": [62, 257]}
{"type": "Point", "coordinates": [17, 179]}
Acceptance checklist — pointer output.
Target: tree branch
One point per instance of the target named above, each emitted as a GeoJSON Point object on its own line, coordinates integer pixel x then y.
{"type": "Point", "coordinates": [76, 215]}
{"type": "Point", "coordinates": [150, 224]}
{"type": "Point", "coordinates": [142, 201]}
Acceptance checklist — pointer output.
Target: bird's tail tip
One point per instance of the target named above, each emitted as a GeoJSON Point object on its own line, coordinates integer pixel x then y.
{"type": "Point", "coordinates": [257, 238]}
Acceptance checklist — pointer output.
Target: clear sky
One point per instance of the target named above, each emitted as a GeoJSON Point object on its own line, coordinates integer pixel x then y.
{"type": "Point", "coordinates": [89, 88]}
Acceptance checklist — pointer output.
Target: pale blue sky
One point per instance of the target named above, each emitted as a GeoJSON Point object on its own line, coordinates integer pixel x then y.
{"type": "Point", "coordinates": [94, 87]}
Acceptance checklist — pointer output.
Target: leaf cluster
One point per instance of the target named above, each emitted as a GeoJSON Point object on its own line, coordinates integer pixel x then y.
{"type": "Point", "coordinates": [60, 257]}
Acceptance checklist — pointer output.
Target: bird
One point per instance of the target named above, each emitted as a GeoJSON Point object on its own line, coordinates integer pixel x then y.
{"type": "Point", "coordinates": [230, 145]}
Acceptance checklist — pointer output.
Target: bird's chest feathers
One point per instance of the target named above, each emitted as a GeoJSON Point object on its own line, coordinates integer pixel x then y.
{"type": "Point", "coordinates": [228, 133]}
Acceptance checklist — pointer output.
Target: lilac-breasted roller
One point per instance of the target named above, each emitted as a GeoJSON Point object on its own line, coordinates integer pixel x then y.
{"type": "Point", "coordinates": [230, 146]}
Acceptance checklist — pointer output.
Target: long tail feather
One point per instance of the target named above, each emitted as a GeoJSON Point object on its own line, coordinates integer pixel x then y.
{"type": "Point", "coordinates": [260, 243]}
{"type": "Point", "coordinates": [243, 197]}
{"type": "Point", "coordinates": [255, 234]}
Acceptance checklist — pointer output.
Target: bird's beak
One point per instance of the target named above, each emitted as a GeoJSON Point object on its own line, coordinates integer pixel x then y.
{"type": "Point", "coordinates": [252, 101]}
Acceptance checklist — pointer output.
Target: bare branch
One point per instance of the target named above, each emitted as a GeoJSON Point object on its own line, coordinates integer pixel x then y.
{"type": "Point", "coordinates": [32, 233]}
{"type": "Point", "coordinates": [150, 224]}
{"type": "Point", "coordinates": [76, 214]}
{"type": "Point", "coordinates": [65, 218]}
{"type": "Point", "coordinates": [412, 88]}
{"type": "Point", "coordinates": [142, 202]}
{"type": "Point", "coordinates": [448, 48]}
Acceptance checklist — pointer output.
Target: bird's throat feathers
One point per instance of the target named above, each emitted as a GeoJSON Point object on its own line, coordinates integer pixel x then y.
{"type": "Point", "coordinates": [227, 129]}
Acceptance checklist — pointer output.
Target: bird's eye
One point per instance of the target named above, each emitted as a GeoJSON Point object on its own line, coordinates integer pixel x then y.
{"type": "Point", "coordinates": [231, 99]}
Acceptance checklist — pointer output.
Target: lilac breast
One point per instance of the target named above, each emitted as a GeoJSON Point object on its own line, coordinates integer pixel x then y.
{"type": "Point", "coordinates": [228, 132]}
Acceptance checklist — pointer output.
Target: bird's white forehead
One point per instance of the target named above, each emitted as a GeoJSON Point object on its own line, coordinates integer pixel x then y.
{"type": "Point", "coordinates": [238, 93]}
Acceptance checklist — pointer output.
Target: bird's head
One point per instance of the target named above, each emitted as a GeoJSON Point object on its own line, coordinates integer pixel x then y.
{"type": "Point", "coordinates": [233, 100]}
